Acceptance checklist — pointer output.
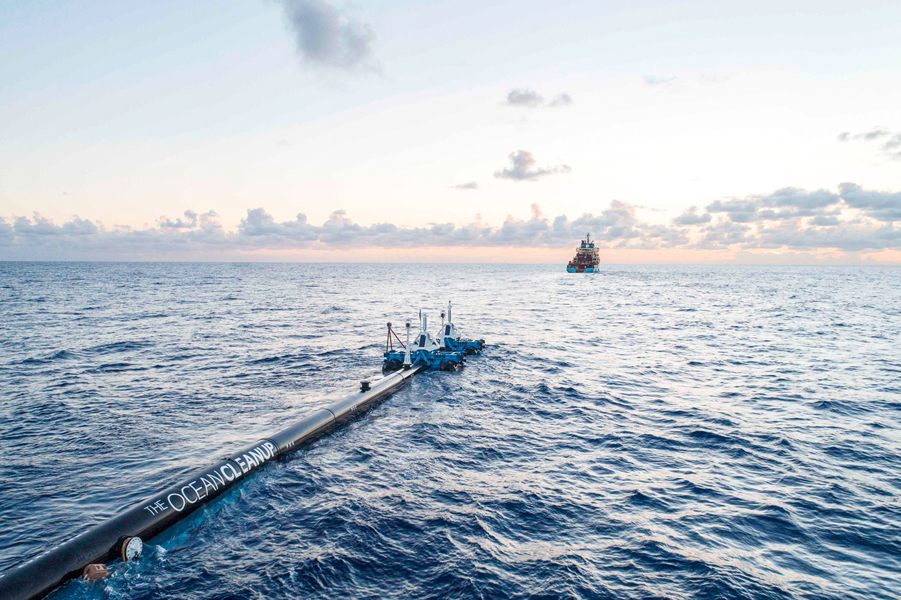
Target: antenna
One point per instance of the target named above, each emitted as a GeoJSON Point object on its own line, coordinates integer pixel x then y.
{"type": "Point", "coordinates": [407, 362]}
{"type": "Point", "coordinates": [449, 320]}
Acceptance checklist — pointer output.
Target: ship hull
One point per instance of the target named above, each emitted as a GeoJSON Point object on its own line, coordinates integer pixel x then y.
{"type": "Point", "coordinates": [586, 259]}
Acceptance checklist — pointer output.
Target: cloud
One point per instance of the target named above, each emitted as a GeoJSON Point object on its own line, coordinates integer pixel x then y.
{"type": "Point", "coordinates": [7, 232]}
{"type": "Point", "coordinates": [723, 234]}
{"type": "Point", "coordinates": [798, 198]}
{"type": "Point", "coordinates": [471, 185]}
{"type": "Point", "coordinates": [881, 206]}
{"type": "Point", "coordinates": [524, 168]}
{"type": "Point", "coordinates": [851, 237]}
{"type": "Point", "coordinates": [656, 80]}
{"type": "Point", "coordinates": [868, 136]}
{"type": "Point", "coordinates": [825, 221]}
{"type": "Point", "coordinates": [691, 217]}
{"type": "Point", "coordinates": [782, 204]}
{"type": "Point", "coordinates": [798, 219]}
{"type": "Point", "coordinates": [563, 99]}
{"type": "Point", "coordinates": [260, 225]}
{"type": "Point", "coordinates": [525, 97]}
{"type": "Point", "coordinates": [191, 222]}
{"type": "Point", "coordinates": [41, 226]}
{"type": "Point", "coordinates": [855, 219]}
{"type": "Point", "coordinates": [891, 147]}
{"type": "Point", "coordinates": [326, 36]}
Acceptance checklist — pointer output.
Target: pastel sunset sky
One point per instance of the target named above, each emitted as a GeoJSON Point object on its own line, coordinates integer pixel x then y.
{"type": "Point", "coordinates": [321, 130]}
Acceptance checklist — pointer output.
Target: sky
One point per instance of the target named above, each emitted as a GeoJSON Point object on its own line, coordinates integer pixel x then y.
{"type": "Point", "coordinates": [319, 130]}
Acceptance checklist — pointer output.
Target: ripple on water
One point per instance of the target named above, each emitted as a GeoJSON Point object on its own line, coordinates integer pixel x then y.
{"type": "Point", "coordinates": [648, 432]}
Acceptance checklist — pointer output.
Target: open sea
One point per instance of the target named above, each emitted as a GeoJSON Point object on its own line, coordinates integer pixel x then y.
{"type": "Point", "coordinates": [645, 432]}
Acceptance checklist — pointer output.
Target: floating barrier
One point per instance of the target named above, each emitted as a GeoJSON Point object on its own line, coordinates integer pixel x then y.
{"type": "Point", "coordinates": [121, 537]}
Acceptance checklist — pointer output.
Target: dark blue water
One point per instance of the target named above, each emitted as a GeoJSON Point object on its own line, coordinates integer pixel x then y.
{"type": "Point", "coordinates": [647, 432]}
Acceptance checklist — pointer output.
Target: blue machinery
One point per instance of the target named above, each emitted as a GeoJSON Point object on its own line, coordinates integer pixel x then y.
{"type": "Point", "coordinates": [120, 538]}
{"type": "Point", "coordinates": [448, 352]}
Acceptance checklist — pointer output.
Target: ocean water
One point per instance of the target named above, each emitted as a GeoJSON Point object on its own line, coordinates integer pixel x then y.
{"type": "Point", "coordinates": [645, 432]}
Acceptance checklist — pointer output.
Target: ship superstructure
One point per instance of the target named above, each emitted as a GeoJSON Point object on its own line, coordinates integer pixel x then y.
{"type": "Point", "coordinates": [586, 259]}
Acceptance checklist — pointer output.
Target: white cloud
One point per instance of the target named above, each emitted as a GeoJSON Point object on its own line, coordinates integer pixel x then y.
{"type": "Point", "coordinates": [891, 147]}
{"type": "Point", "coordinates": [524, 168]}
{"type": "Point", "coordinates": [524, 97]}
{"type": "Point", "coordinates": [881, 206]}
{"type": "Point", "coordinates": [471, 185]}
{"type": "Point", "coordinates": [789, 218]}
{"type": "Point", "coordinates": [563, 99]}
{"type": "Point", "coordinates": [528, 98]}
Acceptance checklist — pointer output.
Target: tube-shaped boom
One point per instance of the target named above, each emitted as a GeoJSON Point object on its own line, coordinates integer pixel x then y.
{"type": "Point", "coordinates": [103, 543]}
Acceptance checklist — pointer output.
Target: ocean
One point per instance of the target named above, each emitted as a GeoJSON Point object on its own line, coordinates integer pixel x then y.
{"type": "Point", "coordinates": [674, 432]}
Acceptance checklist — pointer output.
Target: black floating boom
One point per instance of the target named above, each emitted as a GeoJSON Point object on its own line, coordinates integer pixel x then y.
{"type": "Point", "coordinates": [103, 543]}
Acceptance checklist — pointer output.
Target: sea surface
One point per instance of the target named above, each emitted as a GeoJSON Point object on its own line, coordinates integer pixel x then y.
{"type": "Point", "coordinates": [644, 432]}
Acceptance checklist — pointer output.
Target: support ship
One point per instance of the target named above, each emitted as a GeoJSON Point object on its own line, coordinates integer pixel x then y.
{"type": "Point", "coordinates": [586, 259]}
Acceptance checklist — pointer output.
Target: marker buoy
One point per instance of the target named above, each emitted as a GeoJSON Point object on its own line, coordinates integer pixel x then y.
{"type": "Point", "coordinates": [131, 548]}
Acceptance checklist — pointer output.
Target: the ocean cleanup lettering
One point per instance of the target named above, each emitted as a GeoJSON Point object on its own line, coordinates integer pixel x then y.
{"type": "Point", "coordinates": [198, 489]}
